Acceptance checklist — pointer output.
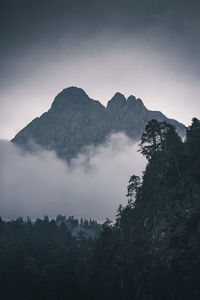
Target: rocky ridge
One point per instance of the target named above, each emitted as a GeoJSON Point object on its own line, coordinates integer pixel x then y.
{"type": "Point", "coordinates": [75, 121]}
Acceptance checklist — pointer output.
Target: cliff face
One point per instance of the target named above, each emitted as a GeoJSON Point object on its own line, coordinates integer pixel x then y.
{"type": "Point", "coordinates": [75, 121]}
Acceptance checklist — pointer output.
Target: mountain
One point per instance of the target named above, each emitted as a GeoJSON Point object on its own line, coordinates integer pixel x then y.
{"type": "Point", "coordinates": [75, 121]}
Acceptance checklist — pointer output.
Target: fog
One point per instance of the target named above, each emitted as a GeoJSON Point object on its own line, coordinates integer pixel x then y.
{"type": "Point", "coordinates": [92, 186]}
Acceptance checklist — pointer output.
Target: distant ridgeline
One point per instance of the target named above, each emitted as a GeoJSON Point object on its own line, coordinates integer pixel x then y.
{"type": "Point", "coordinates": [151, 252]}
{"type": "Point", "coordinates": [75, 121]}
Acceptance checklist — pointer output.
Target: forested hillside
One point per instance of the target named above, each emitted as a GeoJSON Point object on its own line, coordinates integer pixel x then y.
{"type": "Point", "coordinates": [151, 252]}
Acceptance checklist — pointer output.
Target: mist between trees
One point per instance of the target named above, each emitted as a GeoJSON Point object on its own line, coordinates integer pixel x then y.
{"type": "Point", "coordinates": [151, 252]}
{"type": "Point", "coordinates": [92, 186]}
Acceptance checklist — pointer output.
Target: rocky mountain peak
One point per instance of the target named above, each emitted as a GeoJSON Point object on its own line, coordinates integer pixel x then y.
{"type": "Point", "coordinates": [74, 92]}
{"type": "Point", "coordinates": [117, 101]}
{"type": "Point", "coordinates": [132, 100]}
{"type": "Point", "coordinates": [69, 96]}
{"type": "Point", "coordinates": [75, 121]}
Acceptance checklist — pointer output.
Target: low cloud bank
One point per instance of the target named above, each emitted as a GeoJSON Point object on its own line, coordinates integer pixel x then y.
{"type": "Point", "coordinates": [93, 186]}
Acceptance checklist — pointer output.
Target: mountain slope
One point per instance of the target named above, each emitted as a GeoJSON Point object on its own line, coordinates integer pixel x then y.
{"type": "Point", "coordinates": [75, 121]}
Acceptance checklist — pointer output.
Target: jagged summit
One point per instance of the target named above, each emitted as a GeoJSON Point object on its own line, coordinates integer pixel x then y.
{"type": "Point", "coordinates": [75, 121]}
{"type": "Point", "coordinates": [133, 100]}
{"type": "Point", "coordinates": [117, 101]}
{"type": "Point", "coordinates": [71, 95]}
{"type": "Point", "coordinates": [74, 91]}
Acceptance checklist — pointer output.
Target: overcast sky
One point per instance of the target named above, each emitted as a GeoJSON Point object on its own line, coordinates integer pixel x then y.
{"type": "Point", "coordinates": [147, 48]}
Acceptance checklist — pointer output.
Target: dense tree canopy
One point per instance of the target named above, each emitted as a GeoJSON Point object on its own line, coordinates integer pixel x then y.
{"type": "Point", "coordinates": [151, 252]}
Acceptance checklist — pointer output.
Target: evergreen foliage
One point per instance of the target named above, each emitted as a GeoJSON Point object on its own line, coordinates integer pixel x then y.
{"type": "Point", "coordinates": [151, 252]}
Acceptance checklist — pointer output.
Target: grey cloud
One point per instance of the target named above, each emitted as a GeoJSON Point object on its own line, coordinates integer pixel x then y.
{"type": "Point", "coordinates": [147, 48]}
{"type": "Point", "coordinates": [25, 24]}
{"type": "Point", "coordinates": [92, 186]}
{"type": "Point", "coordinates": [101, 67]}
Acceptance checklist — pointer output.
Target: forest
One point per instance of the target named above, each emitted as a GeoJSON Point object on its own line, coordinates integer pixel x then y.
{"type": "Point", "coordinates": [150, 252]}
